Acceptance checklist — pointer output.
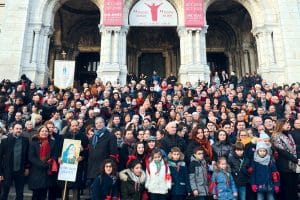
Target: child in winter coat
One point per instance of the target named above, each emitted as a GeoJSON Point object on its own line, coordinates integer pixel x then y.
{"type": "Point", "coordinates": [222, 184]}
{"type": "Point", "coordinates": [180, 181]}
{"type": "Point", "coordinates": [158, 178]}
{"type": "Point", "coordinates": [265, 177]}
{"type": "Point", "coordinates": [132, 181]}
{"type": "Point", "coordinates": [105, 186]}
{"type": "Point", "coordinates": [239, 165]}
{"type": "Point", "coordinates": [198, 174]}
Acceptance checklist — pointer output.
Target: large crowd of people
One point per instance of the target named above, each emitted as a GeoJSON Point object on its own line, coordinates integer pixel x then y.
{"type": "Point", "coordinates": [154, 138]}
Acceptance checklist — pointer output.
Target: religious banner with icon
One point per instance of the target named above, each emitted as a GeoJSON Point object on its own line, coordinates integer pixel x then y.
{"type": "Point", "coordinates": [64, 71]}
{"type": "Point", "coordinates": [153, 13]}
{"type": "Point", "coordinates": [194, 13]}
{"type": "Point", "coordinates": [69, 156]}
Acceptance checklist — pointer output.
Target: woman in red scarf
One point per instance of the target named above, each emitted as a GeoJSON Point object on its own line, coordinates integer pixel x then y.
{"type": "Point", "coordinates": [198, 139]}
{"type": "Point", "coordinates": [42, 156]}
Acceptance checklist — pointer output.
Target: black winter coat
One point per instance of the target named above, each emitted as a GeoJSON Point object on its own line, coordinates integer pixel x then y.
{"type": "Point", "coordinates": [221, 149]}
{"type": "Point", "coordinates": [170, 141]}
{"type": "Point", "coordinates": [7, 157]}
{"type": "Point", "coordinates": [296, 136]}
{"type": "Point", "coordinates": [106, 147]}
{"type": "Point", "coordinates": [38, 174]}
{"type": "Point", "coordinates": [131, 190]}
{"type": "Point", "coordinates": [104, 186]}
{"type": "Point", "coordinates": [239, 166]}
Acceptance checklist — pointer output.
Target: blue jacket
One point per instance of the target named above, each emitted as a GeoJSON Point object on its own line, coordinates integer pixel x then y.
{"type": "Point", "coordinates": [265, 177]}
{"type": "Point", "coordinates": [180, 180]}
{"type": "Point", "coordinates": [104, 186]}
{"type": "Point", "coordinates": [223, 185]}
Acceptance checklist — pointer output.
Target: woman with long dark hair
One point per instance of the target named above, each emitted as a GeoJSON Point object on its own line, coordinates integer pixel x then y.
{"type": "Point", "coordinates": [42, 156]}
{"type": "Point", "coordinates": [286, 160]}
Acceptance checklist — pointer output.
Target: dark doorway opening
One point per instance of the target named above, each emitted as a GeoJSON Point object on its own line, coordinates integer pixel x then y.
{"type": "Point", "coordinates": [149, 62]}
{"type": "Point", "coordinates": [217, 61]}
{"type": "Point", "coordinates": [86, 67]}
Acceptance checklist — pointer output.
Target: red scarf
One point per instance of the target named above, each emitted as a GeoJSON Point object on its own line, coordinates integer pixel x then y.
{"type": "Point", "coordinates": [44, 149]}
{"type": "Point", "coordinates": [204, 143]}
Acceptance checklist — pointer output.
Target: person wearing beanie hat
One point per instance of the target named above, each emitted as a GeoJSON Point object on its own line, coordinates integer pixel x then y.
{"type": "Point", "coordinates": [265, 177]}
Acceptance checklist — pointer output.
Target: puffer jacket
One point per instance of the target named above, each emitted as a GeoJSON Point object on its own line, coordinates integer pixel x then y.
{"type": "Point", "coordinates": [221, 149]}
{"type": "Point", "coordinates": [239, 166]}
{"type": "Point", "coordinates": [130, 189]}
{"type": "Point", "coordinates": [223, 185]}
{"type": "Point", "coordinates": [180, 178]}
{"type": "Point", "coordinates": [198, 176]}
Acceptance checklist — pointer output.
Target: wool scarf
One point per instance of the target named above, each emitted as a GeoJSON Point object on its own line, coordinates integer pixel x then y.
{"type": "Point", "coordinates": [44, 149]}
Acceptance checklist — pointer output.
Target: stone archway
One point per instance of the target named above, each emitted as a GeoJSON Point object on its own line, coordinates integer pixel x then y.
{"type": "Point", "coordinates": [267, 36]}
{"type": "Point", "coordinates": [229, 33]}
{"type": "Point", "coordinates": [37, 61]}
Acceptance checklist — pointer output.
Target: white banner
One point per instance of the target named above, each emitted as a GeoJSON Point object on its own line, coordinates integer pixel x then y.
{"type": "Point", "coordinates": [64, 73]}
{"type": "Point", "coordinates": [153, 13]}
{"type": "Point", "coordinates": [70, 153]}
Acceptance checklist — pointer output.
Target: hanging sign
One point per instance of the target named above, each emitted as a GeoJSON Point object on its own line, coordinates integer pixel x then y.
{"type": "Point", "coordinates": [153, 13]}
{"type": "Point", "coordinates": [194, 13]}
{"type": "Point", "coordinates": [113, 13]}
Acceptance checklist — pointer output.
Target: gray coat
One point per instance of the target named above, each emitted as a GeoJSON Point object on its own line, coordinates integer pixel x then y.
{"type": "Point", "coordinates": [198, 176]}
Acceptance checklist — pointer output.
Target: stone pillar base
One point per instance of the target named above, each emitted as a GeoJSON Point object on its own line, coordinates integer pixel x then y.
{"type": "Point", "coordinates": [36, 76]}
{"type": "Point", "coordinates": [272, 74]}
{"type": "Point", "coordinates": [123, 75]}
{"type": "Point", "coordinates": [193, 73]}
{"type": "Point", "coordinates": [109, 72]}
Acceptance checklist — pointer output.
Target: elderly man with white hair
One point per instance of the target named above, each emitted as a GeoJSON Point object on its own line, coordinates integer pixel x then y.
{"type": "Point", "coordinates": [172, 139]}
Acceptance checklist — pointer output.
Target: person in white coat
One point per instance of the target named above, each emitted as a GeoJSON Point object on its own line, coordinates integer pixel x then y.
{"type": "Point", "coordinates": [158, 177]}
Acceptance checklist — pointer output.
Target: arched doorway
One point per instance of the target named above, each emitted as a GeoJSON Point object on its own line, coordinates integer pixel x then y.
{"type": "Point", "coordinates": [153, 48]}
{"type": "Point", "coordinates": [77, 34]}
{"type": "Point", "coordinates": [230, 43]}
{"type": "Point", "coordinates": [152, 41]}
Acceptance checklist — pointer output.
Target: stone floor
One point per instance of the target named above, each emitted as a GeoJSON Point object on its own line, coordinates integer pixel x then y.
{"type": "Point", "coordinates": [28, 194]}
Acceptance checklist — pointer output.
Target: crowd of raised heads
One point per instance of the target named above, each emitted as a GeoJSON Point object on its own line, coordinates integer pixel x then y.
{"type": "Point", "coordinates": [153, 138]}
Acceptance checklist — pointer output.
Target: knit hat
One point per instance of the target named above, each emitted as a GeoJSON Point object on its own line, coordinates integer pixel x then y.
{"type": "Point", "coordinates": [262, 145]}
{"type": "Point", "coordinates": [151, 138]}
{"type": "Point", "coordinates": [263, 135]}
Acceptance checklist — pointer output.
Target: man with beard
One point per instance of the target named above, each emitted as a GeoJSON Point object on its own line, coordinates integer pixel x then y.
{"type": "Point", "coordinates": [74, 134]}
{"type": "Point", "coordinates": [14, 162]}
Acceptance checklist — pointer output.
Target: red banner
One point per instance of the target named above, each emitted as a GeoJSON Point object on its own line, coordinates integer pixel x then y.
{"type": "Point", "coordinates": [113, 13]}
{"type": "Point", "coordinates": [194, 13]}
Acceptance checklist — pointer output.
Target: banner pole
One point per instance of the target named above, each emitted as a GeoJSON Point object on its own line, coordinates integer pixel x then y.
{"type": "Point", "coordinates": [65, 190]}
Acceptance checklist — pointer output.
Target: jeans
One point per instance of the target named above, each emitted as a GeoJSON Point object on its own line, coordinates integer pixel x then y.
{"type": "Point", "coordinates": [157, 196]}
{"type": "Point", "coordinates": [241, 192]}
{"type": "Point", "coordinates": [262, 195]}
{"type": "Point", "coordinates": [18, 179]}
{"type": "Point", "coordinates": [200, 198]}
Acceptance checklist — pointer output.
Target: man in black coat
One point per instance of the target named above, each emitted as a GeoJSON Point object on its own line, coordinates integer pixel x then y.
{"type": "Point", "coordinates": [103, 145]}
{"type": "Point", "coordinates": [296, 136]}
{"type": "Point", "coordinates": [172, 139]}
{"type": "Point", "coordinates": [14, 162]}
{"type": "Point", "coordinates": [74, 134]}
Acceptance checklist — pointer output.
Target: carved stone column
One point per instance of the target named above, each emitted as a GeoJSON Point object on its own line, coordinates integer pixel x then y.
{"type": "Point", "coordinates": [113, 55]}
{"type": "Point", "coordinates": [36, 34]}
{"type": "Point", "coordinates": [266, 54]}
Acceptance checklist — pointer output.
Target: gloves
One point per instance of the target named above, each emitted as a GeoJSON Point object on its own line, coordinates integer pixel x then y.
{"type": "Point", "coordinates": [250, 170]}
{"type": "Point", "coordinates": [275, 176]}
{"type": "Point", "coordinates": [276, 188]}
{"type": "Point", "coordinates": [254, 188]}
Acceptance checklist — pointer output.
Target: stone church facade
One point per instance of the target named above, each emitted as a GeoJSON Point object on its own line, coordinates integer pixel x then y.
{"type": "Point", "coordinates": [244, 36]}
